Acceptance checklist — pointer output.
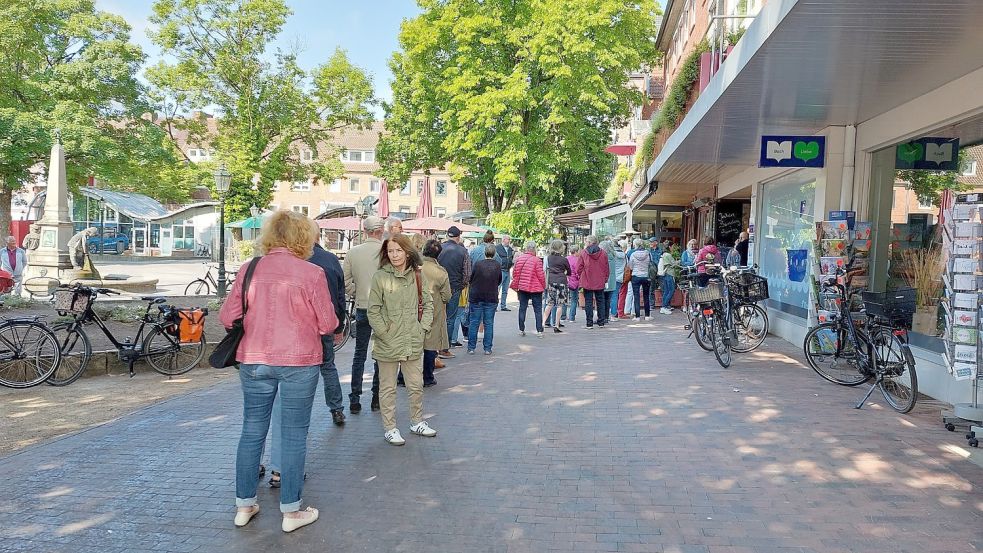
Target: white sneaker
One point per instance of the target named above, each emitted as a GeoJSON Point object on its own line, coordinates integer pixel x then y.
{"type": "Point", "coordinates": [423, 429]}
{"type": "Point", "coordinates": [394, 438]}
{"type": "Point", "coordinates": [522, 333]}
{"type": "Point", "coordinates": [636, 319]}
{"type": "Point", "coordinates": [666, 311]}
{"type": "Point", "coordinates": [539, 335]}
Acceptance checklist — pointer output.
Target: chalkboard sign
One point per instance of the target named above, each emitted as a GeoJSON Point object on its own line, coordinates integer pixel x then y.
{"type": "Point", "coordinates": [730, 222]}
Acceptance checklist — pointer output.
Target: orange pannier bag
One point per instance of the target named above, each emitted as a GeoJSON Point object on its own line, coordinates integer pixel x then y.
{"type": "Point", "coordinates": [191, 324]}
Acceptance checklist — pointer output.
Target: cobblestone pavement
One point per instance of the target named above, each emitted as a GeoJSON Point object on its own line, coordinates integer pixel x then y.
{"type": "Point", "coordinates": [620, 439]}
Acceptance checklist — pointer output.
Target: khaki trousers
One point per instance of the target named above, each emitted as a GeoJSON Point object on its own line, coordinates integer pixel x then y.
{"type": "Point", "coordinates": [413, 376]}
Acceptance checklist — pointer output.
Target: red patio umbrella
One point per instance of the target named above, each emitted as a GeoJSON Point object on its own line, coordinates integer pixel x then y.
{"type": "Point", "coordinates": [384, 200]}
{"type": "Point", "coordinates": [426, 204]}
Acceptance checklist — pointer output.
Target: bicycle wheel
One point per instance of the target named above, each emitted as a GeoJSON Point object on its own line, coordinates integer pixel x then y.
{"type": "Point", "coordinates": [899, 384]}
{"type": "Point", "coordinates": [831, 353]}
{"type": "Point", "coordinates": [198, 287]}
{"type": "Point", "coordinates": [701, 331]}
{"type": "Point", "coordinates": [169, 356]}
{"type": "Point", "coordinates": [76, 350]}
{"type": "Point", "coordinates": [28, 353]}
{"type": "Point", "coordinates": [721, 346]}
{"type": "Point", "coordinates": [751, 323]}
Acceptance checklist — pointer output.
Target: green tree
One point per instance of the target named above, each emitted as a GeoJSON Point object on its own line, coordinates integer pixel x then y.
{"type": "Point", "coordinates": [928, 185]}
{"type": "Point", "coordinates": [271, 110]}
{"type": "Point", "coordinates": [516, 97]}
{"type": "Point", "coordinates": [64, 65]}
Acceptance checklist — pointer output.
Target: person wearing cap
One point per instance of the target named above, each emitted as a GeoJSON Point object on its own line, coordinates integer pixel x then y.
{"type": "Point", "coordinates": [361, 263]}
{"type": "Point", "coordinates": [455, 260]}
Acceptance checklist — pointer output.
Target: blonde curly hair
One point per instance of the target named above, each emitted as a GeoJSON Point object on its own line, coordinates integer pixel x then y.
{"type": "Point", "coordinates": [288, 229]}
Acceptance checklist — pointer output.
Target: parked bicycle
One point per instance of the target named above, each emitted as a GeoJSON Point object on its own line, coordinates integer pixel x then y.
{"type": "Point", "coordinates": [204, 286]}
{"type": "Point", "coordinates": [724, 315]}
{"type": "Point", "coordinates": [844, 353]}
{"type": "Point", "coordinates": [29, 352]}
{"type": "Point", "coordinates": [174, 344]}
{"type": "Point", "coordinates": [349, 326]}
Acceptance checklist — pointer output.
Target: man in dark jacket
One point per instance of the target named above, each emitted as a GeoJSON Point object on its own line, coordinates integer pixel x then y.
{"type": "Point", "coordinates": [486, 276]}
{"type": "Point", "coordinates": [454, 258]}
{"type": "Point", "coordinates": [594, 271]}
{"type": "Point", "coordinates": [507, 256]}
{"type": "Point", "coordinates": [329, 372]}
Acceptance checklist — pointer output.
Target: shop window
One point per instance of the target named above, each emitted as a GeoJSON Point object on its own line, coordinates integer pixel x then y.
{"type": "Point", "coordinates": [154, 235]}
{"type": "Point", "coordinates": [787, 227]}
{"type": "Point", "coordinates": [184, 234]}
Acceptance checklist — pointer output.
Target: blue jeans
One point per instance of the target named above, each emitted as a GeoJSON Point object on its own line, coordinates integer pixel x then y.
{"type": "Point", "coordinates": [260, 385]}
{"type": "Point", "coordinates": [574, 300]}
{"type": "Point", "coordinates": [537, 307]}
{"type": "Point", "coordinates": [668, 289]}
{"type": "Point", "coordinates": [641, 287]}
{"type": "Point", "coordinates": [591, 297]}
{"type": "Point", "coordinates": [481, 313]}
{"type": "Point", "coordinates": [363, 332]}
{"type": "Point", "coordinates": [452, 309]}
{"type": "Point", "coordinates": [504, 288]}
{"type": "Point", "coordinates": [614, 299]}
{"type": "Point", "coordinates": [329, 374]}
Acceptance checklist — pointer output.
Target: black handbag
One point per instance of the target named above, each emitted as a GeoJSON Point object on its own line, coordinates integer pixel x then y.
{"type": "Point", "coordinates": [224, 354]}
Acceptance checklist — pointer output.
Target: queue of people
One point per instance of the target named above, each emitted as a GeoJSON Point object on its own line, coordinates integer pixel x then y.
{"type": "Point", "coordinates": [413, 299]}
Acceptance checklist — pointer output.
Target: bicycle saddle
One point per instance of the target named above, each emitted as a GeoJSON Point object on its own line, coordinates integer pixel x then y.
{"type": "Point", "coordinates": [153, 299]}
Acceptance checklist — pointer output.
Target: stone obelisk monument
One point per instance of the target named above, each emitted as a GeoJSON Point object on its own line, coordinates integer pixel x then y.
{"type": "Point", "coordinates": [51, 259]}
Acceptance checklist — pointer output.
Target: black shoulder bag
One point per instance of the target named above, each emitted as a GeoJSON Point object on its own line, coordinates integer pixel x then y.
{"type": "Point", "coordinates": [224, 354]}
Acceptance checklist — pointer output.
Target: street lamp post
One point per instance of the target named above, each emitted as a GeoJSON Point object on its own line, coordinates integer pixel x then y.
{"type": "Point", "coordinates": [222, 181]}
{"type": "Point", "coordinates": [360, 213]}
{"type": "Point", "coordinates": [254, 213]}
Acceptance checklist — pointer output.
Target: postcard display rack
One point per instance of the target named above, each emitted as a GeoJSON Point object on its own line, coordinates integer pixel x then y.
{"type": "Point", "coordinates": [963, 247]}
{"type": "Point", "coordinates": [842, 243]}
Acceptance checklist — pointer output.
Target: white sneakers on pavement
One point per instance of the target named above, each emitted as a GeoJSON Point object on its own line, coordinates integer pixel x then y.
{"type": "Point", "coordinates": [666, 311]}
{"type": "Point", "coordinates": [423, 429]}
{"type": "Point", "coordinates": [394, 437]}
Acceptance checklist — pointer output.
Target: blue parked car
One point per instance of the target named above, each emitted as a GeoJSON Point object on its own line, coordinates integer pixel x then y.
{"type": "Point", "coordinates": [112, 242]}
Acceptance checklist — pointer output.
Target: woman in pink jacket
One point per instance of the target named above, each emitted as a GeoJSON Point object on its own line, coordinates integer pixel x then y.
{"type": "Point", "coordinates": [529, 281]}
{"type": "Point", "coordinates": [289, 308]}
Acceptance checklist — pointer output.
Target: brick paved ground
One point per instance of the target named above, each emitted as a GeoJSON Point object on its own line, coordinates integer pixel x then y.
{"type": "Point", "coordinates": [621, 439]}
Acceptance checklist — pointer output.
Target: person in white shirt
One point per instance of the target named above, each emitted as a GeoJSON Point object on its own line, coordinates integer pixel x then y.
{"type": "Point", "coordinates": [14, 260]}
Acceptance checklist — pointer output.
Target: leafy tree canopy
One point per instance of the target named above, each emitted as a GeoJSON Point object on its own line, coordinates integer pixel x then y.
{"type": "Point", "coordinates": [64, 65]}
{"type": "Point", "coordinates": [270, 109]}
{"type": "Point", "coordinates": [928, 185]}
{"type": "Point", "coordinates": [516, 97]}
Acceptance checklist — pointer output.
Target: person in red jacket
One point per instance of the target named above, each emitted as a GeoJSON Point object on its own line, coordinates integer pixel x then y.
{"type": "Point", "coordinates": [593, 272]}
{"type": "Point", "coordinates": [529, 281]}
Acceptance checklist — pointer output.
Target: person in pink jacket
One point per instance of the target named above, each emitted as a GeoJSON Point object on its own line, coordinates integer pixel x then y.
{"type": "Point", "coordinates": [529, 281]}
{"type": "Point", "coordinates": [288, 309]}
{"type": "Point", "coordinates": [594, 271]}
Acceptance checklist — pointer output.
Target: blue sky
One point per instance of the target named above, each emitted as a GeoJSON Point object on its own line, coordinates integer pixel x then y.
{"type": "Point", "coordinates": [368, 31]}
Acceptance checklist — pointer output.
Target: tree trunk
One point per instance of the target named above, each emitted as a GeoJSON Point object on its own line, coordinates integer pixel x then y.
{"type": "Point", "coordinates": [5, 216]}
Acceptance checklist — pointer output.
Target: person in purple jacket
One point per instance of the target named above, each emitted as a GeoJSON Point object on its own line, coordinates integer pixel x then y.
{"type": "Point", "coordinates": [573, 282]}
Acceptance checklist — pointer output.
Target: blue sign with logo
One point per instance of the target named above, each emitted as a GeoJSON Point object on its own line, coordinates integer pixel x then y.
{"type": "Point", "coordinates": [929, 154]}
{"type": "Point", "coordinates": [793, 151]}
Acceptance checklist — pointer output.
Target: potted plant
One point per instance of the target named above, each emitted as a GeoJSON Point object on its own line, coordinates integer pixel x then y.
{"type": "Point", "coordinates": [922, 271]}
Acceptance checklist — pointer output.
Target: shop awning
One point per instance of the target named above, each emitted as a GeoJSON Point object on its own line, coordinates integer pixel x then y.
{"type": "Point", "coordinates": [580, 218]}
{"type": "Point", "coordinates": [621, 149]}
{"type": "Point", "coordinates": [803, 66]}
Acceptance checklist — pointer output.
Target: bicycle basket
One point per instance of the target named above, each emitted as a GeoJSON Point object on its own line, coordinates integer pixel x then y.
{"type": "Point", "coordinates": [896, 307]}
{"type": "Point", "coordinates": [748, 287]}
{"type": "Point", "coordinates": [706, 294]}
{"type": "Point", "coordinates": [72, 300]}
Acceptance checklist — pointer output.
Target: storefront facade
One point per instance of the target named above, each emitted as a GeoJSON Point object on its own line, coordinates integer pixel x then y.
{"type": "Point", "coordinates": [864, 101]}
